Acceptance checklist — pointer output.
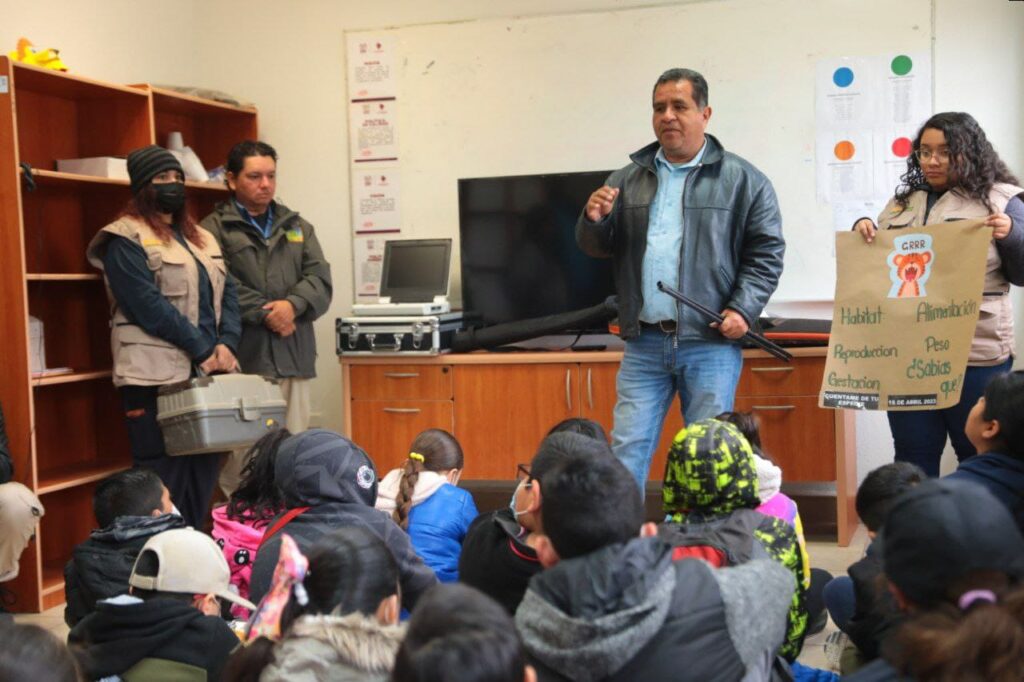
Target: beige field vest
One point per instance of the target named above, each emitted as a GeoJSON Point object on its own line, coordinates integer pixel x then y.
{"type": "Point", "coordinates": [139, 358]}
{"type": "Point", "coordinates": [993, 336]}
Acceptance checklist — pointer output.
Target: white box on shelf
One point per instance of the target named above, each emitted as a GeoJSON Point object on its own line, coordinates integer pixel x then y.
{"type": "Point", "coordinates": [100, 166]}
{"type": "Point", "coordinates": [37, 345]}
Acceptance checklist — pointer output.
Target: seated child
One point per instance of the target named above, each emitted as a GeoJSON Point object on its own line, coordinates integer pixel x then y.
{"type": "Point", "coordinates": [130, 507]}
{"type": "Point", "coordinates": [614, 606]}
{"type": "Point", "coordinates": [995, 427]}
{"type": "Point", "coordinates": [167, 627]}
{"type": "Point", "coordinates": [329, 482]}
{"type": "Point", "coordinates": [498, 555]}
{"type": "Point", "coordinates": [458, 634]}
{"type": "Point", "coordinates": [238, 526]}
{"type": "Point", "coordinates": [584, 427]}
{"type": "Point", "coordinates": [331, 618]}
{"type": "Point", "coordinates": [422, 498]}
{"type": "Point", "coordinates": [31, 653]}
{"type": "Point", "coordinates": [776, 503]}
{"type": "Point", "coordinates": [20, 511]}
{"type": "Point", "coordinates": [954, 562]}
{"type": "Point", "coordinates": [858, 606]}
{"type": "Point", "coordinates": [710, 496]}
{"type": "Point", "coordinates": [769, 478]}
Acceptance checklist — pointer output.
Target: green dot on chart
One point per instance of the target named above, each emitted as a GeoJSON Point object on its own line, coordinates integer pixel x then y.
{"type": "Point", "coordinates": [902, 65]}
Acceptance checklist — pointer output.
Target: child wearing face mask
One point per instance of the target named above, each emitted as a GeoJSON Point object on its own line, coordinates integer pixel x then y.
{"type": "Point", "coordinates": [130, 507]}
{"type": "Point", "coordinates": [422, 497]}
{"type": "Point", "coordinates": [499, 553]}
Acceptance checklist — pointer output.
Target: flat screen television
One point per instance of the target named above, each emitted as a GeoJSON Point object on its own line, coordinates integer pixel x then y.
{"type": "Point", "coordinates": [519, 257]}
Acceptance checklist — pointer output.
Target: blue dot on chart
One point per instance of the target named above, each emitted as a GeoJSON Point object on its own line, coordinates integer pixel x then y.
{"type": "Point", "coordinates": [843, 76]}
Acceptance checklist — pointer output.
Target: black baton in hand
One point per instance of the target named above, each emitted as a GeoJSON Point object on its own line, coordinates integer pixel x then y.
{"type": "Point", "coordinates": [754, 337]}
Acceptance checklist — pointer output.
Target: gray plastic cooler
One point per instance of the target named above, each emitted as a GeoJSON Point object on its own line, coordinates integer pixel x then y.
{"type": "Point", "coordinates": [218, 413]}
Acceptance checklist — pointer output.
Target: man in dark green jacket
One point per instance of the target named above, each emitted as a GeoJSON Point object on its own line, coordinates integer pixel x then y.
{"type": "Point", "coordinates": [283, 280]}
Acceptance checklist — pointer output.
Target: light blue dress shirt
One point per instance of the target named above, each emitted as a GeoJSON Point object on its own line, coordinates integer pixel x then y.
{"type": "Point", "coordinates": [665, 237]}
{"type": "Point", "coordinates": [267, 222]}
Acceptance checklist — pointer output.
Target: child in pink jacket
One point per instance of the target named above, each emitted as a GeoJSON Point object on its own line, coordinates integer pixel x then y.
{"type": "Point", "coordinates": [238, 526]}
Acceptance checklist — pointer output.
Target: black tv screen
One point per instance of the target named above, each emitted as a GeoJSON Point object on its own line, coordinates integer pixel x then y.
{"type": "Point", "coordinates": [518, 247]}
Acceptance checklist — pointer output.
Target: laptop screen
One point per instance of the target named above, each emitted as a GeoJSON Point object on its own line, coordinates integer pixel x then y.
{"type": "Point", "coordinates": [416, 270]}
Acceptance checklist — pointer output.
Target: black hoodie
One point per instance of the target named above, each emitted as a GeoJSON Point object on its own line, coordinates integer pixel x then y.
{"type": "Point", "coordinates": [332, 476]}
{"type": "Point", "coordinates": [496, 561]}
{"type": "Point", "coordinates": [161, 638]}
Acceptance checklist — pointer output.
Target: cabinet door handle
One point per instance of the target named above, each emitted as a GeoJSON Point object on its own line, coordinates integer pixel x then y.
{"type": "Point", "coordinates": [771, 369]}
{"type": "Point", "coordinates": [401, 375]}
{"type": "Point", "coordinates": [590, 387]}
{"type": "Point", "coordinates": [402, 410]}
{"type": "Point", "coordinates": [568, 390]}
{"type": "Point", "coordinates": [773, 408]}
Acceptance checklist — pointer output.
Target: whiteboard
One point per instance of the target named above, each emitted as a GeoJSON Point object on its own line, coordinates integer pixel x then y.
{"type": "Point", "coordinates": [572, 93]}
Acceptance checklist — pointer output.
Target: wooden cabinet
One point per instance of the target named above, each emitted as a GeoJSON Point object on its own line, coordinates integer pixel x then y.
{"type": "Point", "coordinates": [500, 406]}
{"type": "Point", "coordinates": [495, 409]}
{"type": "Point", "coordinates": [502, 412]}
{"type": "Point", "coordinates": [393, 403]}
{"type": "Point", "coordinates": [66, 430]}
{"type": "Point", "coordinates": [794, 431]}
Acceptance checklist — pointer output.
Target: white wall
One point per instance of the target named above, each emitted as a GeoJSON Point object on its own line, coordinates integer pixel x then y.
{"type": "Point", "coordinates": [288, 58]}
{"type": "Point", "coordinates": [292, 65]}
{"type": "Point", "coordinates": [123, 41]}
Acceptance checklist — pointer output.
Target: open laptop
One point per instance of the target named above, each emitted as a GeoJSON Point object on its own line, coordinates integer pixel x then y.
{"type": "Point", "coordinates": [414, 280]}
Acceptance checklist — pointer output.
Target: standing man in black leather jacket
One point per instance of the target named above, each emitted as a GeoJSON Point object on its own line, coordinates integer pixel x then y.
{"type": "Point", "coordinates": [705, 221]}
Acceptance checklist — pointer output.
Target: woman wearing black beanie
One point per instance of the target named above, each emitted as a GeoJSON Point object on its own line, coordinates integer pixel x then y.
{"type": "Point", "coordinates": [174, 309]}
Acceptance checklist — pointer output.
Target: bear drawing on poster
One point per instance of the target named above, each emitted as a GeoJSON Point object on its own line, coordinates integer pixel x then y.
{"type": "Point", "coordinates": [910, 265]}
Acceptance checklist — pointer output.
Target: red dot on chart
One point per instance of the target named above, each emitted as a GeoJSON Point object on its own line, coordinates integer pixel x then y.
{"type": "Point", "coordinates": [844, 150]}
{"type": "Point", "coordinates": [902, 146]}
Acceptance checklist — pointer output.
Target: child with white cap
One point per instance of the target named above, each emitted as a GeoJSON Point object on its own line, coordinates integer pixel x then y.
{"type": "Point", "coordinates": [168, 626]}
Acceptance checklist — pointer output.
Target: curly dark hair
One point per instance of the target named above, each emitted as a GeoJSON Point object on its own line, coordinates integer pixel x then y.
{"type": "Point", "coordinates": [258, 497]}
{"type": "Point", "coordinates": [972, 160]}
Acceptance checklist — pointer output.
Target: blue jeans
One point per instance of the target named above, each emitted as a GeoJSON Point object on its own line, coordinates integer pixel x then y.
{"type": "Point", "coordinates": [840, 600]}
{"type": "Point", "coordinates": [919, 436]}
{"type": "Point", "coordinates": [653, 369]}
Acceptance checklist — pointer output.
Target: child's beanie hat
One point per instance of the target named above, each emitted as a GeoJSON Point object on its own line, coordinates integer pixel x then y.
{"type": "Point", "coordinates": [941, 530]}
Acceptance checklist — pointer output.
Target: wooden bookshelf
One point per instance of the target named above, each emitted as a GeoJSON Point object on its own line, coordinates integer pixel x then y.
{"type": "Point", "coordinates": [67, 430]}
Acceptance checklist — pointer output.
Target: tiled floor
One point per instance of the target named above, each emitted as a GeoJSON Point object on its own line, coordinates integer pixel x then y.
{"type": "Point", "coordinates": [824, 554]}
{"type": "Point", "coordinates": [835, 560]}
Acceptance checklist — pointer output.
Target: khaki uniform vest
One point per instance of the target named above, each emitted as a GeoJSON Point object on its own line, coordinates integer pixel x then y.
{"type": "Point", "coordinates": [141, 359]}
{"type": "Point", "coordinates": [993, 336]}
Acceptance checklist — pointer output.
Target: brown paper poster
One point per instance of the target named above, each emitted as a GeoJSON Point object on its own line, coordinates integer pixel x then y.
{"type": "Point", "coordinates": [906, 306]}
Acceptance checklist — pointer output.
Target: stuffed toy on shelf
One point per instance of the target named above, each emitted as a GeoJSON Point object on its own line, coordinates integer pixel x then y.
{"type": "Point", "coordinates": [28, 54]}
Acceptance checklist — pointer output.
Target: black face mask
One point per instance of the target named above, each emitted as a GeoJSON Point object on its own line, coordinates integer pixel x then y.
{"type": "Point", "coordinates": [170, 196]}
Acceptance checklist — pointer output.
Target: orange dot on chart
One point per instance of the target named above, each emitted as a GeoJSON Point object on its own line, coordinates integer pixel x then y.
{"type": "Point", "coordinates": [844, 150]}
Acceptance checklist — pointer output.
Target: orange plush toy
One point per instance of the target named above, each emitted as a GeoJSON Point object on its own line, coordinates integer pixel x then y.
{"type": "Point", "coordinates": [48, 58]}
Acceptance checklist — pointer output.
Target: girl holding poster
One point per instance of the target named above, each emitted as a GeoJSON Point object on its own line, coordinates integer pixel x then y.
{"type": "Point", "coordinates": [955, 174]}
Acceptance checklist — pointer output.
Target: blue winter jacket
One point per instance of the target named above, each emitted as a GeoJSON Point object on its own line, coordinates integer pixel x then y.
{"type": "Point", "coordinates": [437, 526]}
{"type": "Point", "coordinates": [1003, 475]}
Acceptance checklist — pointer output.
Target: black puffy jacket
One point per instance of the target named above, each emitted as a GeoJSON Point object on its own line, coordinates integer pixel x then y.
{"type": "Point", "coordinates": [732, 238]}
{"type": "Point", "coordinates": [100, 567]}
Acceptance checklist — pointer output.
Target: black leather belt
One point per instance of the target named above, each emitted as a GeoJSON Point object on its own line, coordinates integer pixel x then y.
{"type": "Point", "coordinates": [666, 326]}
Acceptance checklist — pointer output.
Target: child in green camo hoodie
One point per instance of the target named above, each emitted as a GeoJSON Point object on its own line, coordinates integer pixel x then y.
{"type": "Point", "coordinates": [710, 492]}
